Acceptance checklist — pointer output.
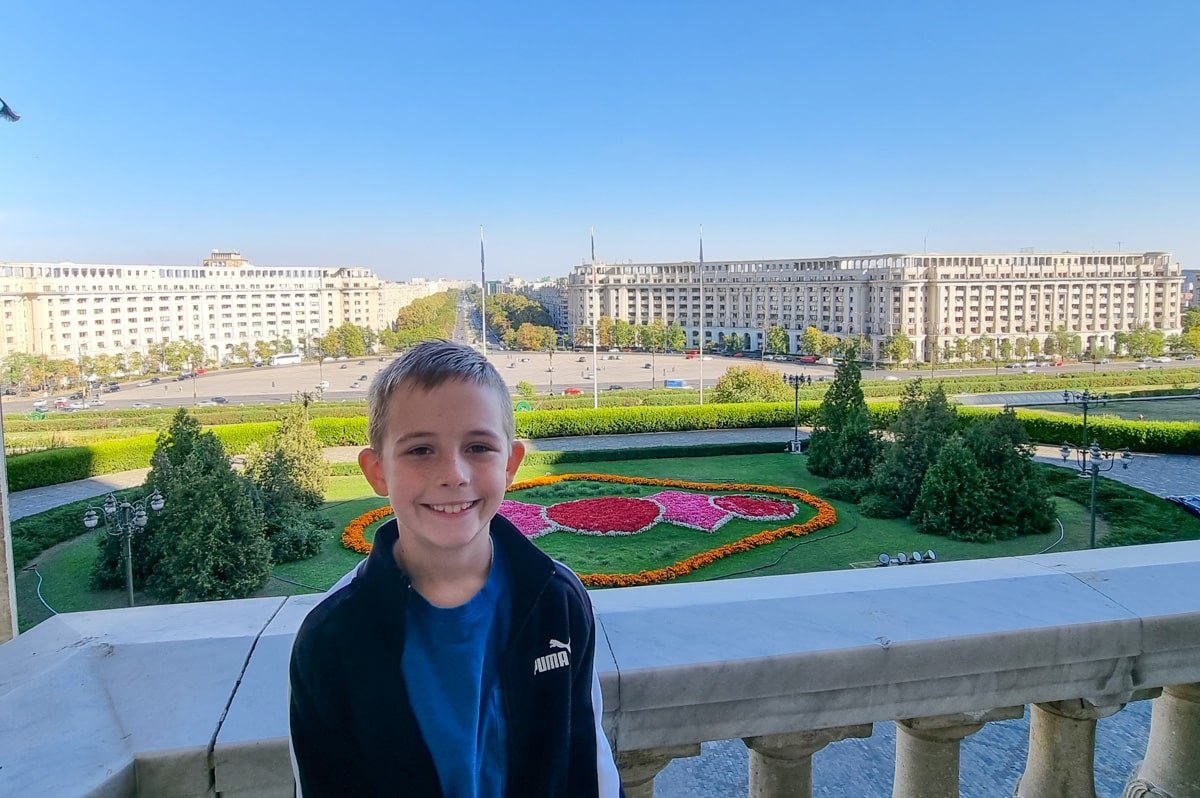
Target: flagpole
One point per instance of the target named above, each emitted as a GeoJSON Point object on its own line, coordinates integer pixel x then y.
{"type": "Point", "coordinates": [701, 273]}
{"type": "Point", "coordinates": [482, 293]}
{"type": "Point", "coordinates": [595, 328]}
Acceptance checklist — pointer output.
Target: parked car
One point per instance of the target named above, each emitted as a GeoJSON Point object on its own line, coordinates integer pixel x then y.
{"type": "Point", "coordinates": [1188, 357]}
{"type": "Point", "coordinates": [647, 366]}
{"type": "Point", "coordinates": [323, 384]}
{"type": "Point", "coordinates": [524, 360]}
{"type": "Point", "coordinates": [581, 359]}
{"type": "Point", "coordinates": [112, 387]}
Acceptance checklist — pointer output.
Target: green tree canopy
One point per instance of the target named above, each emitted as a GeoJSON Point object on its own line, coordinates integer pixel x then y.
{"type": "Point", "coordinates": [923, 425]}
{"type": "Point", "coordinates": [842, 444]}
{"type": "Point", "coordinates": [951, 494]}
{"type": "Point", "coordinates": [754, 383]}
{"type": "Point", "coordinates": [777, 340]}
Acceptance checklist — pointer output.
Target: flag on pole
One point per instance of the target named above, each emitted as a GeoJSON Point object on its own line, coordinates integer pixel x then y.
{"type": "Point", "coordinates": [8, 113]}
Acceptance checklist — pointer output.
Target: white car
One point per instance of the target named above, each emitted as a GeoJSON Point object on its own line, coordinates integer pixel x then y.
{"type": "Point", "coordinates": [891, 378]}
{"type": "Point", "coordinates": [144, 383]}
{"type": "Point", "coordinates": [142, 405]}
{"type": "Point", "coordinates": [1163, 359]}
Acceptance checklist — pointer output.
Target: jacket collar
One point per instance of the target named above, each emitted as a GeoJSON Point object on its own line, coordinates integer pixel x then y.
{"type": "Point", "coordinates": [531, 569]}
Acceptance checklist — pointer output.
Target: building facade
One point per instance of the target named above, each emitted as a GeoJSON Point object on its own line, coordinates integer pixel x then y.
{"type": "Point", "coordinates": [934, 299]}
{"type": "Point", "coordinates": [70, 310]}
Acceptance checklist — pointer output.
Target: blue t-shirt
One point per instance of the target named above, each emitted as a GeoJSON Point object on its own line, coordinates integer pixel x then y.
{"type": "Point", "coordinates": [451, 666]}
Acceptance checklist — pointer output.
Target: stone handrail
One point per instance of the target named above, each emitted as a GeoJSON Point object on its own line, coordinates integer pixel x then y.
{"type": "Point", "coordinates": [189, 700]}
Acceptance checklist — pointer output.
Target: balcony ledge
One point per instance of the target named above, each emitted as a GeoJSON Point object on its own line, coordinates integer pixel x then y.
{"type": "Point", "coordinates": [185, 700]}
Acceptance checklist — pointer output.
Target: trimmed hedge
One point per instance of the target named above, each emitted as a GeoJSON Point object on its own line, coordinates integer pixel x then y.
{"type": "Point", "coordinates": [624, 420]}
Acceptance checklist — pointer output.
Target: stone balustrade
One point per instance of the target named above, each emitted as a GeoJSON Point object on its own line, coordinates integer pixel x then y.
{"type": "Point", "coordinates": [190, 700]}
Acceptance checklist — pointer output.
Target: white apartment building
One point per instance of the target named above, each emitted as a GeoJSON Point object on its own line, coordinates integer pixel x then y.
{"type": "Point", "coordinates": [69, 309]}
{"type": "Point", "coordinates": [932, 298]}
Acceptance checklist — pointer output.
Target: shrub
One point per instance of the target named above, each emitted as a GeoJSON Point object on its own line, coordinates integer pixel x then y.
{"type": "Point", "coordinates": [754, 383]}
{"type": "Point", "coordinates": [845, 489]}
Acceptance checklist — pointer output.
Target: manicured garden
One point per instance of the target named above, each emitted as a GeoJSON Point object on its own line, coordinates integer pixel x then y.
{"type": "Point", "coordinates": [848, 542]}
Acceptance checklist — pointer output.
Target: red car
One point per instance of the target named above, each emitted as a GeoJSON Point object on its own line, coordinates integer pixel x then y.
{"type": "Point", "coordinates": [571, 391]}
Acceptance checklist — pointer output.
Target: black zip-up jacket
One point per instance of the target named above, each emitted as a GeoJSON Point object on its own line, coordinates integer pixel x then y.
{"type": "Point", "coordinates": [353, 730]}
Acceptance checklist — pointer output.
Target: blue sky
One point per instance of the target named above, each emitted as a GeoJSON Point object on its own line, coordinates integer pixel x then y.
{"type": "Point", "coordinates": [384, 134]}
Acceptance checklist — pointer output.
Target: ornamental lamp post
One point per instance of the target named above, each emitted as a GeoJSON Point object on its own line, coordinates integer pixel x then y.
{"type": "Point", "coordinates": [1084, 399]}
{"type": "Point", "coordinates": [795, 380]}
{"type": "Point", "coordinates": [1093, 468]}
{"type": "Point", "coordinates": [124, 519]}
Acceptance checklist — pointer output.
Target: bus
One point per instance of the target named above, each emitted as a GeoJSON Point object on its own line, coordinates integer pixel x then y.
{"type": "Point", "coordinates": [286, 359]}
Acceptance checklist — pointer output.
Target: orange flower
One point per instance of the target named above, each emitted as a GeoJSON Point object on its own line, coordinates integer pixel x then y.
{"type": "Point", "coordinates": [353, 539]}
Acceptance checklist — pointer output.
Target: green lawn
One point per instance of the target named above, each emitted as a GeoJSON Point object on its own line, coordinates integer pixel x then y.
{"type": "Point", "coordinates": [1171, 410]}
{"type": "Point", "coordinates": [853, 541]}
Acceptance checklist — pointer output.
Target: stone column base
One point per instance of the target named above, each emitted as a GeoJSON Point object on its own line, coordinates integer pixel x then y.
{"type": "Point", "coordinates": [927, 751]}
{"type": "Point", "coordinates": [638, 768]}
{"type": "Point", "coordinates": [1171, 768]}
{"type": "Point", "coordinates": [781, 764]}
{"type": "Point", "coordinates": [1062, 749]}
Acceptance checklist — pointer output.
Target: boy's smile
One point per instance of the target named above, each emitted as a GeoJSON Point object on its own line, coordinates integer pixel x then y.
{"type": "Point", "coordinates": [445, 464]}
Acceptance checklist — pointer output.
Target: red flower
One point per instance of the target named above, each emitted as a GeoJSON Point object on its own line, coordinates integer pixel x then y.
{"type": "Point", "coordinates": [755, 506]}
{"type": "Point", "coordinates": [610, 515]}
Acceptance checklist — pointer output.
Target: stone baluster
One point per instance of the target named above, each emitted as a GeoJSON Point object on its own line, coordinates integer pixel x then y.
{"type": "Point", "coordinates": [781, 764]}
{"type": "Point", "coordinates": [1171, 768]}
{"type": "Point", "coordinates": [927, 751]}
{"type": "Point", "coordinates": [1062, 749]}
{"type": "Point", "coordinates": [638, 768]}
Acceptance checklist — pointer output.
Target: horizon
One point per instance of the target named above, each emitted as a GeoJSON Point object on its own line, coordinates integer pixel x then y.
{"type": "Point", "coordinates": [382, 137]}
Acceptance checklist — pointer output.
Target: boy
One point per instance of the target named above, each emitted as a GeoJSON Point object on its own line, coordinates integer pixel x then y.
{"type": "Point", "coordinates": [457, 659]}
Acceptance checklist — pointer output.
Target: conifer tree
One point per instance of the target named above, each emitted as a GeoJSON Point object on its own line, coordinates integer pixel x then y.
{"type": "Point", "coordinates": [842, 444]}
{"type": "Point", "coordinates": [951, 495]}
{"type": "Point", "coordinates": [290, 476]}
{"type": "Point", "coordinates": [210, 533]}
{"type": "Point", "coordinates": [174, 447]}
{"type": "Point", "coordinates": [923, 425]}
{"type": "Point", "coordinates": [1017, 498]}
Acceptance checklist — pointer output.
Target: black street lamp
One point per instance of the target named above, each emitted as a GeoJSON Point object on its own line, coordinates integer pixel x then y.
{"type": "Point", "coordinates": [124, 519]}
{"type": "Point", "coordinates": [1084, 399]}
{"type": "Point", "coordinates": [795, 380]}
{"type": "Point", "coordinates": [1093, 468]}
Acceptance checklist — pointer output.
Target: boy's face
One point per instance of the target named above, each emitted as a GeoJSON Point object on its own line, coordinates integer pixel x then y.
{"type": "Point", "coordinates": [444, 464]}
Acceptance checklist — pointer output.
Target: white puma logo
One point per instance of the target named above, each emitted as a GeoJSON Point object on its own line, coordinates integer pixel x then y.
{"type": "Point", "coordinates": [555, 659]}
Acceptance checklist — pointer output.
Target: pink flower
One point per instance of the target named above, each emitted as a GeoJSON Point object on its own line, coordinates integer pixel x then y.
{"type": "Point", "coordinates": [694, 510]}
{"type": "Point", "coordinates": [530, 519]}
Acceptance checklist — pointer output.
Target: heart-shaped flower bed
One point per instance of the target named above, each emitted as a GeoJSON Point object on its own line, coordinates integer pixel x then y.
{"type": "Point", "coordinates": [625, 516]}
{"type": "Point", "coordinates": [611, 515]}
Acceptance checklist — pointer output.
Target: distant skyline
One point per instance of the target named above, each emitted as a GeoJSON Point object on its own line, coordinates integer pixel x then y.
{"type": "Point", "coordinates": [383, 135]}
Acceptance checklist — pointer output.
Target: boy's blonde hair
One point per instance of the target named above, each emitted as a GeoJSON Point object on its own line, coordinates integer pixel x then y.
{"type": "Point", "coordinates": [426, 366]}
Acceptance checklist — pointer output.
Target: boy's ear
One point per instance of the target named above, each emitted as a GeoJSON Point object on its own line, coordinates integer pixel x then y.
{"type": "Point", "coordinates": [372, 468]}
{"type": "Point", "coordinates": [515, 455]}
